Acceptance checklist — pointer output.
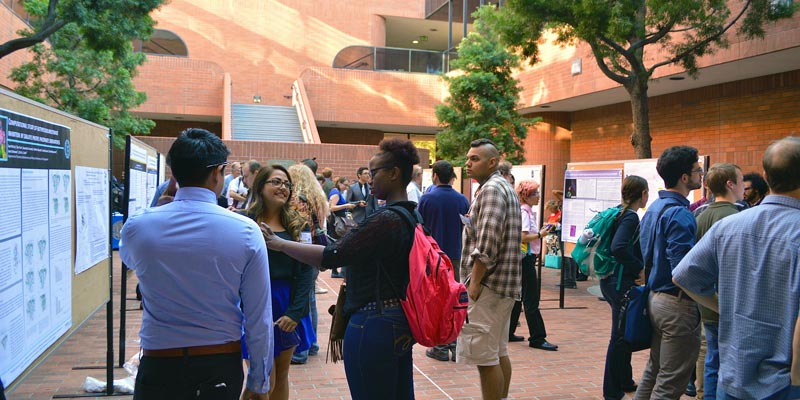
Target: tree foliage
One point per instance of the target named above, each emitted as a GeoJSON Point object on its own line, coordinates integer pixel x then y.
{"type": "Point", "coordinates": [87, 65]}
{"type": "Point", "coordinates": [483, 98]}
{"type": "Point", "coordinates": [619, 31]}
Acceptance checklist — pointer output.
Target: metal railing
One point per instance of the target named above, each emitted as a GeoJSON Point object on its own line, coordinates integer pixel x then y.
{"type": "Point", "coordinates": [371, 58]}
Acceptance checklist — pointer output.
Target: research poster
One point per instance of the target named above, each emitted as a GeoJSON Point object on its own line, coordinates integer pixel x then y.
{"type": "Point", "coordinates": [91, 217]}
{"type": "Point", "coordinates": [142, 178]}
{"type": "Point", "coordinates": [587, 192]}
{"type": "Point", "coordinates": [35, 239]}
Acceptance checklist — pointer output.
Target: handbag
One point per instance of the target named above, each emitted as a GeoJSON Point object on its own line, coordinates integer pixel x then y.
{"type": "Point", "coordinates": [633, 325]}
{"type": "Point", "coordinates": [552, 261]}
{"type": "Point", "coordinates": [338, 327]}
{"type": "Point", "coordinates": [319, 236]}
{"type": "Point", "coordinates": [343, 224]}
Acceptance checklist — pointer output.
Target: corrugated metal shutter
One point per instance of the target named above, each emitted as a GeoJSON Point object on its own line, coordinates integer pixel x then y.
{"type": "Point", "coordinates": [267, 123]}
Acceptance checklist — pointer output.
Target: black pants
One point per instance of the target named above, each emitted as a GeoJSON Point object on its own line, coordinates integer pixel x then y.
{"type": "Point", "coordinates": [217, 377]}
{"type": "Point", "coordinates": [530, 299]}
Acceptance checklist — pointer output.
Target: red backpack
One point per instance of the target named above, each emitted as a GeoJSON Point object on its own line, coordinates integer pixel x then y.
{"type": "Point", "coordinates": [435, 304]}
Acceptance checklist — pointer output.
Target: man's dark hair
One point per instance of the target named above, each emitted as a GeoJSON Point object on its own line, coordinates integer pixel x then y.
{"type": "Point", "coordinates": [403, 154]}
{"type": "Point", "coordinates": [758, 183]}
{"type": "Point", "coordinates": [674, 162]}
{"type": "Point", "coordinates": [311, 163]}
{"type": "Point", "coordinates": [781, 161]}
{"type": "Point", "coordinates": [444, 170]}
{"type": "Point", "coordinates": [193, 154]}
{"type": "Point", "coordinates": [361, 171]}
{"type": "Point", "coordinates": [253, 166]}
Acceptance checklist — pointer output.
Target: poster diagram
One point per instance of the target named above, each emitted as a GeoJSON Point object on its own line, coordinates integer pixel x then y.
{"type": "Point", "coordinates": [35, 239]}
{"type": "Point", "coordinates": [587, 192]}
{"type": "Point", "coordinates": [91, 217]}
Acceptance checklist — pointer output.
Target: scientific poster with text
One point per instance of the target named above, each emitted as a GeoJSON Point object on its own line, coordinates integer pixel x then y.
{"type": "Point", "coordinates": [91, 217]}
{"type": "Point", "coordinates": [586, 193]}
{"type": "Point", "coordinates": [35, 239]}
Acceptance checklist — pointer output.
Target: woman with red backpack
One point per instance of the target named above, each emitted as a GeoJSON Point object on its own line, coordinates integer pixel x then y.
{"type": "Point", "coordinates": [378, 342]}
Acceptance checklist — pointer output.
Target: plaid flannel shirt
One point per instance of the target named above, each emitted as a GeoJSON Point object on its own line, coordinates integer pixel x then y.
{"type": "Point", "coordinates": [493, 236]}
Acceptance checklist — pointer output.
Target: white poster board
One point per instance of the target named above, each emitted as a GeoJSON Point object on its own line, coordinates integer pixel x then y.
{"type": "Point", "coordinates": [587, 192]}
{"type": "Point", "coordinates": [91, 216]}
{"type": "Point", "coordinates": [647, 170]}
{"type": "Point", "coordinates": [35, 239]}
{"type": "Point", "coordinates": [427, 179]}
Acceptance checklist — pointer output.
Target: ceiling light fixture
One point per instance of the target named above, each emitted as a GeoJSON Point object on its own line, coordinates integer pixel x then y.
{"type": "Point", "coordinates": [256, 99]}
{"type": "Point", "coordinates": [676, 78]}
{"type": "Point", "coordinates": [415, 41]}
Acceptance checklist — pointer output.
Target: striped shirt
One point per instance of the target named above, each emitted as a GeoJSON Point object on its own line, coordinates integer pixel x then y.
{"type": "Point", "coordinates": [493, 236]}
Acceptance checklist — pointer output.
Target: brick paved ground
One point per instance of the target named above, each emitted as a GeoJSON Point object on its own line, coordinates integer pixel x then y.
{"type": "Point", "coordinates": [573, 372]}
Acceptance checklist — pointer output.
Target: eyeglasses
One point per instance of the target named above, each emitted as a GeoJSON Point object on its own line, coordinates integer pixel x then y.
{"type": "Point", "coordinates": [276, 182]}
{"type": "Point", "coordinates": [534, 194]}
{"type": "Point", "coordinates": [372, 172]}
{"type": "Point", "coordinates": [224, 163]}
{"type": "Point", "coordinates": [699, 170]}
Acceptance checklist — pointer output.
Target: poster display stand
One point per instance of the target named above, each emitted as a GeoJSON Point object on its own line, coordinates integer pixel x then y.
{"type": "Point", "coordinates": [141, 180]}
{"type": "Point", "coordinates": [40, 148]}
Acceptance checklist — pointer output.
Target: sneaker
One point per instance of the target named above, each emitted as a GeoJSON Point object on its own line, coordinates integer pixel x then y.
{"type": "Point", "coordinates": [319, 290]}
{"type": "Point", "coordinates": [438, 354]}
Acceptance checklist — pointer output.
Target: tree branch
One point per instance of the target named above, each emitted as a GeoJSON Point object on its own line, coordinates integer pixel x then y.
{"type": "Point", "coordinates": [653, 37]}
{"type": "Point", "coordinates": [703, 42]}
{"type": "Point", "coordinates": [50, 26]}
{"type": "Point", "coordinates": [622, 80]}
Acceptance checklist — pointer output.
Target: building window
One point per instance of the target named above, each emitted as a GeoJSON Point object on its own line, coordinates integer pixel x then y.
{"type": "Point", "coordinates": [162, 42]}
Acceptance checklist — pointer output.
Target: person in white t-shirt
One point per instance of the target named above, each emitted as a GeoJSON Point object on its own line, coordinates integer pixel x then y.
{"type": "Point", "coordinates": [413, 190]}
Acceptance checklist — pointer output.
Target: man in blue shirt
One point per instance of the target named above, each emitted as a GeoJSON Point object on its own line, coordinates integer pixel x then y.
{"type": "Point", "coordinates": [441, 212]}
{"type": "Point", "coordinates": [199, 290]}
{"type": "Point", "coordinates": [668, 232]}
{"type": "Point", "coordinates": [752, 259]}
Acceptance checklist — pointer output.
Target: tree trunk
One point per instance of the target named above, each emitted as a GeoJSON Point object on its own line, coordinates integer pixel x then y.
{"type": "Point", "coordinates": [640, 139]}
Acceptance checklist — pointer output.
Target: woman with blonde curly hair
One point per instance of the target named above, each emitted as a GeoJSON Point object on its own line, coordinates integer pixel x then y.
{"type": "Point", "coordinates": [309, 200]}
{"type": "Point", "coordinates": [291, 282]}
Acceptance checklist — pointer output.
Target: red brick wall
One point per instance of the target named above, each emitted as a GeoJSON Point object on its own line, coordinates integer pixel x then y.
{"type": "Point", "coordinates": [344, 159]}
{"type": "Point", "coordinates": [394, 98]}
{"type": "Point", "coordinates": [192, 87]}
{"type": "Point", "coordinates": [551, 80]}
{"type": "Point", "coordinates": [548, 144]}
{"type": "Point", "coordinates": [9, 25]}
{"type": "Point", "coordinates": [732, 122]}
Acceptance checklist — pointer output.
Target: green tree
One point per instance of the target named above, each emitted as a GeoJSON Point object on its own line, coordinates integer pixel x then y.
{"type": "Point", "coordinates": [619, 31]}
{"type": "Point", "coordinates": [484, 96]}
{"type": "Point", "coordinates": [87, 65]}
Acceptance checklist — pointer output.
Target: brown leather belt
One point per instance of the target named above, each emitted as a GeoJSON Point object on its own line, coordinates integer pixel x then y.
{"type": "Point", "coordinates": [225, 348]}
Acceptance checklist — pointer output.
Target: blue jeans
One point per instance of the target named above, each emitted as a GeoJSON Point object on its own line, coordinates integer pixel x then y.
{"type": "Point", "coordinates": [377, 355]}
{"type": "Point", "coordinates": [790, 392]}
{"type": "Point", "coordinates": [618, 374]}
{"type": "Point", "coordinates": [302, 356]}
{"type": "Point", "coordinates": [711, 367]}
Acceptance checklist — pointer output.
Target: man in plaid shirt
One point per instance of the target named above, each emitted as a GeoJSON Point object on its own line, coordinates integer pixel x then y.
{"type": "Point", "coordinates": [490, 267]}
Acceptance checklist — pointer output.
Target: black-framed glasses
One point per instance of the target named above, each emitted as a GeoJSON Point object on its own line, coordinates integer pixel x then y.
{"type": "Point", "coordinates": [277, 182]}
{"type": "Point", "coordinates": [374, 171]}
{"type": "Point", "coordinates": [698, 170]}
{"type": "Point", "coordinates": [534, 194]}
{"type": "Point", "coordinates": [224, 163]}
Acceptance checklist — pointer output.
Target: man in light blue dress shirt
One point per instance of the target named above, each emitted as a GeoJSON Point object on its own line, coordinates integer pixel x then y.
{"type": "Point", "coordinates": [198, 289]}
{"type": "Point", "coordinates": [747, 267]}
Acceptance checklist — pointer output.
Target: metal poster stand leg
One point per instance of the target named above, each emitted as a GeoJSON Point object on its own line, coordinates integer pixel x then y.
{"type": "Point", "coordinates": [110, 304]}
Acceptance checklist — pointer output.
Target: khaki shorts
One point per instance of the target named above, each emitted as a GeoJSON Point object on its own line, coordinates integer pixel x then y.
{"type": "Point", "coordinates": [485, 338]}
